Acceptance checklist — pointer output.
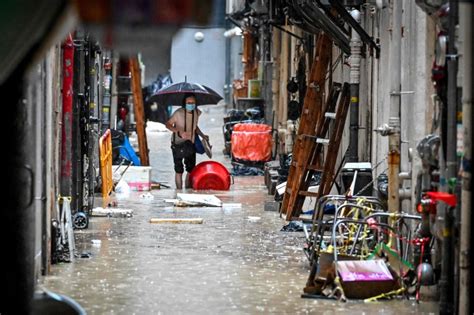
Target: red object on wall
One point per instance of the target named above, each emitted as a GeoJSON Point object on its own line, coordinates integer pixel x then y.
{"type": "Point", "coordinates": [252, 142]}
{"type": "Point", "coordinates": [449, 199]}
{"type": "Point", "coordinates": [67, 98]}
{"type": "Point", "coordinates": [210, 175]}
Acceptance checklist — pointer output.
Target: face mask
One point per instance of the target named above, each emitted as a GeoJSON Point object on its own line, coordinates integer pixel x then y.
{"type": "Point", "coordinates": [190, 107]}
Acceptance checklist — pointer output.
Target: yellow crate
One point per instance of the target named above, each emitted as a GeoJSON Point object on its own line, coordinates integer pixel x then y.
{"type": "Point", "coordinates": [105, 149]}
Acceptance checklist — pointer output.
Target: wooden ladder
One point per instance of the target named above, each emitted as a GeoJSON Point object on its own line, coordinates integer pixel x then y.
{"type": "Point", "coordinates": [139, 111]}
{"type": "Point", "coordinates": [308, 153]}
{"type": "Point", "coordinates": [313, 102]}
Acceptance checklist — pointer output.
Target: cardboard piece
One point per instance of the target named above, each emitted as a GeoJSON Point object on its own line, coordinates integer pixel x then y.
{"type": "Point", "coordinates": [199, 200]}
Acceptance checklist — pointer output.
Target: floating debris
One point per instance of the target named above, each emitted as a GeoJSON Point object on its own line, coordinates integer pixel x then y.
{"type": "Point", "coordinates": [112, 212]}
{"type": "Point", "coordinates": [253, 219]}
{"type": "Point", "coordinates": [195, 200]}
{"type": "Point", "coordinates": [177, 220]}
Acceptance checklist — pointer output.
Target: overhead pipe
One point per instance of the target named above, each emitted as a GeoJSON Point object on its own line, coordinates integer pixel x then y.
{"type": "Point", "coordinates": [466, 11]}
{"type": "Point", "coordinates": [318, 17]}
{"type": "Point", "coordinates": [313, 16]}
{"type": "Point", "coordinates": [355, 24]}
{"type": "Point", "coordinates": [331, 14]}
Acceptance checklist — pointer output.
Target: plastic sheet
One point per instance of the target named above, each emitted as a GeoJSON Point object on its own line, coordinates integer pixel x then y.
{"type": "Point", "coordinates": [252, 142]}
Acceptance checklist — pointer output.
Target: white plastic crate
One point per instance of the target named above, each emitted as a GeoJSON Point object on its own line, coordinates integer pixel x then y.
{"type": "Point", "coordinates": [137, 177]}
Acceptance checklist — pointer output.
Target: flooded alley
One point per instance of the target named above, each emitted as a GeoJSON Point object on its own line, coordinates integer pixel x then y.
{"type": "Point", "coordinates": [236, 262]}
{"type": "Point", "coordinates": [237, 157]}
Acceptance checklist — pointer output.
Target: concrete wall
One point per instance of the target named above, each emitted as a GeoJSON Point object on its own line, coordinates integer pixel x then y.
{"type": "Point", "coordinates": [234, 5]}
{"type": "Point", "coordinates": [157, 59]}
{"type": "Point", "coordinates": [43, 98]}
{"type": "Point", "coordinates": [202, 62]}
{"type": "Point", "coordinates": [235, 63]}
{"type": "Point", "coordinates": [417, 51]}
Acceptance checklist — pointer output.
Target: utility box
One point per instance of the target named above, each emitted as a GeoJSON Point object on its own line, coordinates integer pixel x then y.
{"type": "Point", "coordinates": [254, 88]}
{"type": "Point", "coordinates": [362, 178]}
{"type": "Point", "coordinates": [138, 178]}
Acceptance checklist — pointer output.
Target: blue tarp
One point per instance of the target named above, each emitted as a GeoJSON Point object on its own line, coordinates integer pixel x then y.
{"type": "Point", "coordinates": [127, 152]}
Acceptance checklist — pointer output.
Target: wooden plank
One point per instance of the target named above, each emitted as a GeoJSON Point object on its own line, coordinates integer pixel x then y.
{"type": "Point", "coordinates": [316, 168]}
{"type": "Point", "coordinates": [139, 111]}
{"type": "Point", "coordinates": [112, 212]}
{"type": "Point", "coordinates": [308, 193]}
{"type": "Point", "coordinates": [177, 220]}
{"type": "Point", "coordinates": [285, 58]}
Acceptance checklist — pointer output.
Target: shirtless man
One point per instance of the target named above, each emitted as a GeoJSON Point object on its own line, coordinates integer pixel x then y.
{"type": "Point", "coordinates": [184, 125]}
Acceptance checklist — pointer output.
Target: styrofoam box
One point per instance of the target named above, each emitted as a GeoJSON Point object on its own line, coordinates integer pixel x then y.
{"type": "Point", "coordinates": [137, 177]}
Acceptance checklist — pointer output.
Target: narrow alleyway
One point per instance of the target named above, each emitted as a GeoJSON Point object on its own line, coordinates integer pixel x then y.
{"type": "Point", "coordinates": [236, 262]}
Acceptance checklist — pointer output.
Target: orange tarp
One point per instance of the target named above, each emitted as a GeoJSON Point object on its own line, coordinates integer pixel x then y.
{"type": "Point", "coordinates": [252, 142]}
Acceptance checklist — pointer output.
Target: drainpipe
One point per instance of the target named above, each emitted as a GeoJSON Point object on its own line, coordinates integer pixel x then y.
{"type": "Point", "coordinates": [447, 264]}
{"type": "Point", "coordinates": [354, 75]}
{"type": "Point", "coordinates": [466, 11]}
{"type": "Point", "coordinates": [394, 118]}
{"type": "Point", "coordinates": [392, 130]}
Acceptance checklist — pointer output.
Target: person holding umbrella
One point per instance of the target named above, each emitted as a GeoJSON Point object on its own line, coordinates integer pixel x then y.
{"type": "Point", "coordinates": [184, 125]}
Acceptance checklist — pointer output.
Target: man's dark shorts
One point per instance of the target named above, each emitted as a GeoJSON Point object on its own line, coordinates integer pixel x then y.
{"type": "Point", "coordinates": [186, 152]}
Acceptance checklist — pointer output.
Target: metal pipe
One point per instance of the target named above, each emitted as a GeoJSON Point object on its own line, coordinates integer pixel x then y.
{"type": "Point", "coordinates": [405, 175]}
{"type": "Point", "coordinates": [354, 77]}
{"type": "Point", "coordinates": [446, 283]}
{"type": "Point", "coordinates": [288, 32]}
{"type": "Point", "coordinates": [313, 15]}
{"type": "Point", "coordinates": [466, 11]}
{"type": "Point", "coordinates": [404, 193]}
{"type": "Point", "coordinates": [355, 24]}
{"type": "Point", "coordinates": [394, 118]}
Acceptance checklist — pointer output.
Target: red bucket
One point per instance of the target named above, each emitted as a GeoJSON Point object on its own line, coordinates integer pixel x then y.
{"type": "Point", "coordinates": [210, 175]}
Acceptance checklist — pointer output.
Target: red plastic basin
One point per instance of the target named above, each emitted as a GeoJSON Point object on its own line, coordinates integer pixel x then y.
{"type": "Point", "coordinates": [210, 175]}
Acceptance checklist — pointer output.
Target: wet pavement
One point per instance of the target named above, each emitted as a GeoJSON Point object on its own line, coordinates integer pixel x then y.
{"type": "Point", "coordinates": [236, 262]}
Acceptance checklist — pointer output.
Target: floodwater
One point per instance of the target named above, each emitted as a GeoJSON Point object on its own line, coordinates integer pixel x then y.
{"type": "Point", "coordinates": [236, 262]}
